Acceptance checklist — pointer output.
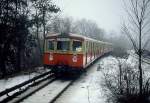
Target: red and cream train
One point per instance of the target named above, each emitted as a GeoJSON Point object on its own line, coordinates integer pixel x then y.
{"type": "Point", "coordinates": [72, 52]}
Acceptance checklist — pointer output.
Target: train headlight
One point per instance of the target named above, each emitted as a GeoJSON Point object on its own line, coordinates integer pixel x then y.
{"type": "Point", "coordinates": [74, 59]}
{"type": "Point", "coordinates": [50, 57]}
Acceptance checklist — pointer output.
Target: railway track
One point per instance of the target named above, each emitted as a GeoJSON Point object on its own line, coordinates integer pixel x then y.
{"type": "Point", "coordinates": [21, 92]}
{"type": "Point", "coordinates": [10, 94]}
{"type": "Point", "coordinates": [50, 93]}
{"type": "Point", "coordinates": [61, 92]}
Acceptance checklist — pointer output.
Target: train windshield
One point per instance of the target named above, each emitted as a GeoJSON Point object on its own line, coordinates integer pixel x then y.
{"type": "Point", "coordinates": [50, 45]}
{"type": "Point", "coordinates": [63, 45]}
{"type": "Point", "coordinates": [77, 46]}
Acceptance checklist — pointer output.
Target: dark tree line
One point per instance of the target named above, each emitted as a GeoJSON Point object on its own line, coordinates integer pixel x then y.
{"type": "Point", "coordinates": [17, 40]}
{"type": "Point", "coordinates": [14, 30]}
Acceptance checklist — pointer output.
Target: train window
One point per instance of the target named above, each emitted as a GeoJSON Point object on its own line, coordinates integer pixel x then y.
{"type": "Point", "coordinates": [77, 46]}
{"type": "Point", "coordinates": [63, 45]}
{"type": "Point", "coordinates": [50, 45]}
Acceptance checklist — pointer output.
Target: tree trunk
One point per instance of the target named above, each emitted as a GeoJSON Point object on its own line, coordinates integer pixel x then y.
{"type": "Point", "coordinates": [37, 34]}
{"type": "Point", "coordinates": [3, 60]}
{"type": "Point", "coordinates": [120, 78]}
{"type": "Point", "coordinates": [44, 35]}
{"type": "Point", "coordinates": [3, 67]}
{"type": "Point", "coordinates": [19, 56]}
{"type": "Point", "coordinates": [140, 68]}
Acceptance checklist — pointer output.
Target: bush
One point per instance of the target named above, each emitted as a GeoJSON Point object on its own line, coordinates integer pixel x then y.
{"type": "Point", "coordinates": [123, 84]}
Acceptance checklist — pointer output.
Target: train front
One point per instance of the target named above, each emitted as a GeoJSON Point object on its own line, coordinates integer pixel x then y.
{"type": "Point", "coordinates": [63, 53]}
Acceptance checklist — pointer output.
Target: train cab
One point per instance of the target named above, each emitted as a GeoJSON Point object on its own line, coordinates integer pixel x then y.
{"type": "Point", "coordinates": [63, 52]}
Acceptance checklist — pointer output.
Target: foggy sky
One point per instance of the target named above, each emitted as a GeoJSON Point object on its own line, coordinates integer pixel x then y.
{"type": "Point", "coordinates": [108, 14]}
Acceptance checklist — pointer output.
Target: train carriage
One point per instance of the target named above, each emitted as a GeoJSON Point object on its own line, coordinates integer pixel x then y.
{"type": "Point", "coordinates": [68, 52]}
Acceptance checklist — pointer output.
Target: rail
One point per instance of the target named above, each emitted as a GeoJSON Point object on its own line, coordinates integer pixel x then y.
{"type": "Point", "coordinates": [18, 86]}
{"type": "Point", "coordinates": [61, 92]}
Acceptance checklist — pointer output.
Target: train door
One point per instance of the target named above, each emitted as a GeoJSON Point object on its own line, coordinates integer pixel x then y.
{"type": "Point", "coordinates": [86, 52]}
{"type": "Point", "coordinates": [77, 48]}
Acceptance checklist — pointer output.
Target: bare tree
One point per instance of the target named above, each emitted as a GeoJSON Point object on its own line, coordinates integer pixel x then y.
{"type": "Point", "coordinates": [88, 28]}
{"type": "Point", "coordinates": [84, 27]}
{"type": "Point", "coordinates": [61, 25]}
{"type": "Point", "coordinates": [137, 29]}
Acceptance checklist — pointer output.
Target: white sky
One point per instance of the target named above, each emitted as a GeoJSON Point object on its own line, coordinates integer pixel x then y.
{"type": "Point", "coordinates": [106, 13]}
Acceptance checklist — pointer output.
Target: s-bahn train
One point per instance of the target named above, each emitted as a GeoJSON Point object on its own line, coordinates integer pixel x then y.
{"type": "Point", "coordinates": [72, 52]}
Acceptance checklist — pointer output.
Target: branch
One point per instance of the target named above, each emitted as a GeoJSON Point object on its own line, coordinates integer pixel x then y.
{"type": "Point", "coordinates": [146, 32]}
{"type": "Point", "coordinates": [147, 14]}
{"type": "Point", "coordinates": [146, 43]}
{"type": "Point", "coordinates": [133, 30]}
{"type": "Point", "coordinates": [130, 15]}
{"type": "Point", "coordinates": [135, 9]}
{"type": "Point", "coordinates": [145, 24]}
{"type": "Point", "coordinates": [126, 31]}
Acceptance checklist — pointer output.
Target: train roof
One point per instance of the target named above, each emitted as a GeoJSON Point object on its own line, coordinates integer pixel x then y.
{"type": "Point", "coordinates": [75, 35]}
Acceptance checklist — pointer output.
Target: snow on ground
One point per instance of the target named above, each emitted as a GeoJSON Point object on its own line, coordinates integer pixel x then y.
{"type": "Point", "coordinates": [45, 95]}
{"type": "Point", "coordinates": [10, 82]}
{"type": "Point", "coordinates": [88, 88]}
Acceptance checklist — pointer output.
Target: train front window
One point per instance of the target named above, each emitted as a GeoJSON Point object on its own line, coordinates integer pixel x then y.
{"type": "Point", "coordinates": [63, 45]}
{"type": "Point", "coordinates": [50, 45]}
{"type": "Point", "coordinates": [77, 46]}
